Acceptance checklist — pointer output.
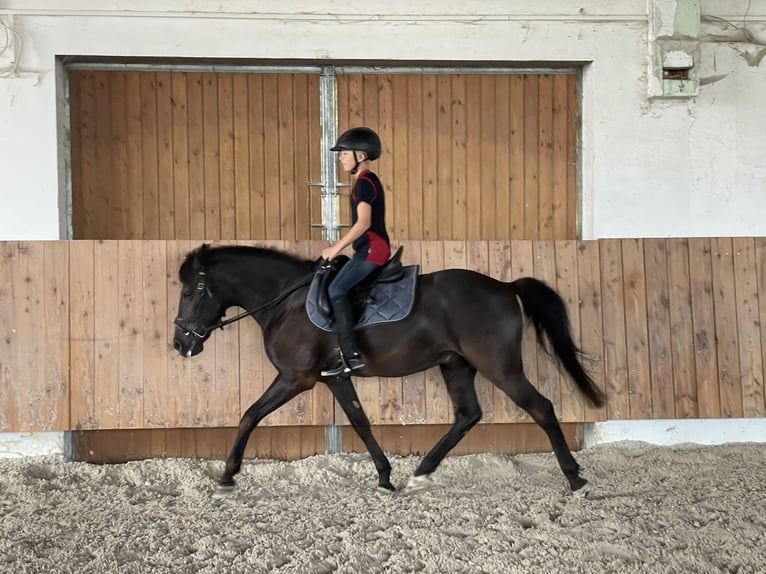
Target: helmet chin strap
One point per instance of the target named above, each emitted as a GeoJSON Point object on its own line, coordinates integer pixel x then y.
{"type": "Point", "coordinates": [356, 163]}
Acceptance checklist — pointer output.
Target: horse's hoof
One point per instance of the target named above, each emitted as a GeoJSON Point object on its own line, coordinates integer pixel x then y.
{"type": "Point", "coordinates": [223, 491]}
{"type": "Point", "coordinates": [387, 486]}
{"type": "Point", "coordinates": [583, 490]}
{"type": "Point", "coordinates": [417, 483]}
{"type": "Point", "coordinates": [576, 482]}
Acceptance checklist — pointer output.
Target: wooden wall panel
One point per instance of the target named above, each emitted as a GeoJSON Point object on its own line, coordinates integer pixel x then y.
{"type": "Point", "coordinates": [682, 330]}
{"type": "Point", "coordinates": [661, 340]}
{"type": "Point", "coordinates": [198, 155]}
{"type": "Point", "coordinates": [469, 156]}
{"type": "Point", "coordinates": [34, 326]}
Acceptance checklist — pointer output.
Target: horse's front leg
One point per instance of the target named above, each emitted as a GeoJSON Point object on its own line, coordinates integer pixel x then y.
{"type": "Point", "coordinates": [344, 392]}
{"type": "Point", "coordinates": [281, 390]}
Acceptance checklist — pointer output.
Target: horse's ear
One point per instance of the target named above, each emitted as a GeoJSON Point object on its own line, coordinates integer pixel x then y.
{"type": "Point", "coordinates": [198, 255]}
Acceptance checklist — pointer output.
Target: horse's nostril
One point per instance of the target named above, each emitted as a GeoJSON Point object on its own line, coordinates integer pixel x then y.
{"type": "Point", "coordinates": [177, 345]}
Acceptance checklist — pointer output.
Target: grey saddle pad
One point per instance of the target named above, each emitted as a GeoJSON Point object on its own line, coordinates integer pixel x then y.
{"type": "Point", "coordinates": [389, 301]}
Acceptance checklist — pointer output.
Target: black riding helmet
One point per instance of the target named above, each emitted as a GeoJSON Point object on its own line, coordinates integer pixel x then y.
{"type": "Point", "coordinates": [359, 139]}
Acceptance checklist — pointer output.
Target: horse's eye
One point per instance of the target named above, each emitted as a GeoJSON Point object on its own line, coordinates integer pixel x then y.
{"type": "Point", "coordinates": [187, 294]}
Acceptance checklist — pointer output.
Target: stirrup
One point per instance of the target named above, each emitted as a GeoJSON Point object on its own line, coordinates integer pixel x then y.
{"type": "Point", "coordinates": [344, 366]}
{"type": "Point", "coordinates": [338, 369]}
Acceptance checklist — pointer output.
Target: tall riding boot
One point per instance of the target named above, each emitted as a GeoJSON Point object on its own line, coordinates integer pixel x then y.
{"type": "Point", "coordinates": [349, 359]}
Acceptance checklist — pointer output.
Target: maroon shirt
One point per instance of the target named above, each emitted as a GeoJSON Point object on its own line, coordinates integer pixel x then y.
{"type": "Point", "coordinates": [374, 245]}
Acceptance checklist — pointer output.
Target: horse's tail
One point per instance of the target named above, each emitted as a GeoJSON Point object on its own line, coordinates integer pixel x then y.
{"type": "Point", "coordinates": [548, 313]}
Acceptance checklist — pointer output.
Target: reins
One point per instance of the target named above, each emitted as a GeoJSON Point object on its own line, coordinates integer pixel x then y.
{"type": "Point", "coordinates": [221, 324]}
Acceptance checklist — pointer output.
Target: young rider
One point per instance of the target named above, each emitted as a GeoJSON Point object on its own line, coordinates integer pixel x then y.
{"type": "Point", "coordinates": [357, 148]}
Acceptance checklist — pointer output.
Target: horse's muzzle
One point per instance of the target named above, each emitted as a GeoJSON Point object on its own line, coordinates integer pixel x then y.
{"type": "Point", "coordinates": [187, 344]}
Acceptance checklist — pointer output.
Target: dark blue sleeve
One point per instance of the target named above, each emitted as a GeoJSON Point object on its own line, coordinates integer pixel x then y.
{"type": "Point", "coordinates": [364, 190]}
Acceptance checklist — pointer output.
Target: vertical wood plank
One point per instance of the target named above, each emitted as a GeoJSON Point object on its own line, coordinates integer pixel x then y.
{"type": "Point", "coordinates": [180, 149]}
{"type": "Point", "coordinates": [706, 360]}
{"type": "Point", "coordinates": [505, 410]}
{"type": "Point", "coordinates": [591, 320]}
{"type": "Point", "coordinates": [473, 153]}
{"type": "Point", "coordinates": [561, 211]}
{"type": "Point", "coordinates": [241, 128]}
{"type": "Point", "coordinates": [459, 158]}
{"type": "Point", "coordinates": [547, 371]}
{"type": "Point", "coordinates": [130, 330]}
{"type": "Point", "coordinates": [286, 188]}
{"type": "Point", "coordinates": [748, 327]}
{"type": "Point", "coordinates": [258, 150]}
{"type": "Point", "coordinates": [639, 385]}
{"type": "Point", "coordinates": [132, 207]}
{"type": "Point", "coordinates": [179, 391]}
{"type": "Point", "coordinates": [613, 309]}
{"type": "Point", "coordinates": [681, 329]}
{"type": "Point", "coordinates": [79, 134]}
{"type": "Point", "coordinates": [11, 341]}
{"type": "Point", "coordinates": [760, 265]}
{"type": "Point", "coordinates": [303, 148]}
{"type": "Point", "coordinates": [658, 326]}
{"type": "Point", "coordinates": [315, 156]}
{"type": "Point", "coordinates": [522, 265]}
{"type": "Point", "coordinates": [502, 203]}
{"type": "Point", "coordinates": [211, 156]}
{"type": "Point", "coordinates": [572, 407]}
{"type": "Point", "coordinates": [729, 374]}
{"type": "Point", "coordinates": [118, 175]}
{"type": "Point", "coordinates": [196, 159]}
{"type": "Point", "coordinates": [477, 259]}
{"type": "Point", "coordinates": [82, 333]}
{"type": "Point", "coordinates": [573, 225]}
{"type": "Point", "coordinates": [165, 195]}
{"type": "Point", "coordinates": [430, 159]}
{"type": "Point", "coordinates": [415, 174]}
{"type": "Point", "coordinates": [413, 386]}
{"type": "Point", "coordinates": [517, 164]}
{"type": "Point", "coordinates": [545, 158]}
{"type": "Point", "coordinates": [55, 414]}
{"type": "Point", "coordinates": [485, 186]}
{"type": "Point", "coordinates": [107, 334]}
{"type": "Point", "coordinates": [531, 157]}
{"type": "Point", "coordinates": [104, 197]}
{"type": "Point", "coordinates": [32, 376]}
{"type": "Point", "coordinates": [226, 159]}
{"type": "Point", "coordinates": [157, 333]}
{"type": "Point", "coordinates": [438, 405]}
{"type": "Point", "coordinates": [443, 155]}
{"type": "Point", "coordinates": [149, 157]}
{"type": "Point", "coordinates": [399, 223]}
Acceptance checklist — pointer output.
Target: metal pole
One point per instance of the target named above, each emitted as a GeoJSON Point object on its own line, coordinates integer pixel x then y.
{"type": "Point", "coordinates": [327, 97]}
{"type": "Point", "coordinates": [329, 185]}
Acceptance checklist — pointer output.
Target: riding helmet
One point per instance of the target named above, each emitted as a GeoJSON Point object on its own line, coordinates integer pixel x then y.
{"type": "Point", "coordinates": [359, 139]}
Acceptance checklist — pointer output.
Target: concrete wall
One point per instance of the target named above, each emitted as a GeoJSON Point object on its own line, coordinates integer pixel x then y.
{"type": "Point", "coordinates": [650, 166]}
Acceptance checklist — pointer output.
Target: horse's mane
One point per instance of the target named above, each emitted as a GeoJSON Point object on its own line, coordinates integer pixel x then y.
{"type": "Point", "coordinates": [205, 256]}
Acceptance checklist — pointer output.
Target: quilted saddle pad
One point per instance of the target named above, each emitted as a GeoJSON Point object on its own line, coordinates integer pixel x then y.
{"type": "Point", "coordinates": [387, 302]}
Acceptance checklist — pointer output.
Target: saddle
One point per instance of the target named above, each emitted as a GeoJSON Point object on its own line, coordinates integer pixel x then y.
{"type": "Point", "coordinates": [384, 295]}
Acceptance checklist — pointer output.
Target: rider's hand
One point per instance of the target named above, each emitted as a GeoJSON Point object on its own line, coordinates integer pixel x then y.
{"type": "Point", "coordinates": [329, 253]}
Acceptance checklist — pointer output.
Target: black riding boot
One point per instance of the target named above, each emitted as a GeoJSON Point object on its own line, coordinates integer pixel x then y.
{"type": "Point", "coordinates": [348, 357]}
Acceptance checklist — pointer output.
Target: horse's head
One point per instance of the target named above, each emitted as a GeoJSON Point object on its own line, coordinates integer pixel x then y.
{"type": "Point", "coordinates": [199, 310]}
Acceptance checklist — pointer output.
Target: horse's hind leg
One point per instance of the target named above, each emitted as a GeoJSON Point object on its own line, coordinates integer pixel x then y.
{"type": "Point", "coordinates": [344, 392]}
{"type": "Point", "coordinates": [521, 391]}
{"type": "Point", "coordinates": [459, 376]}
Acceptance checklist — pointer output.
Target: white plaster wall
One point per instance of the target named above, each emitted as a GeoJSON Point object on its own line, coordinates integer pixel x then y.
{"type": "Point", "coordinates": [649, 167]}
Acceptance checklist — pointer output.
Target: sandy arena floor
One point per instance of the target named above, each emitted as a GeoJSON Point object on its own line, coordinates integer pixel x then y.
{"type": "Point", "coordinates": [650, 509]}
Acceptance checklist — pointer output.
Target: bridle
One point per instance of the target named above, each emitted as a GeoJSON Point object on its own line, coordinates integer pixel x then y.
{"type": "Point", "coordinates": [202, 332]}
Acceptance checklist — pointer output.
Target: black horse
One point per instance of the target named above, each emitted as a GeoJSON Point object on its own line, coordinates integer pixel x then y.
{"type": "Point", "coordinates": [461, 320]}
